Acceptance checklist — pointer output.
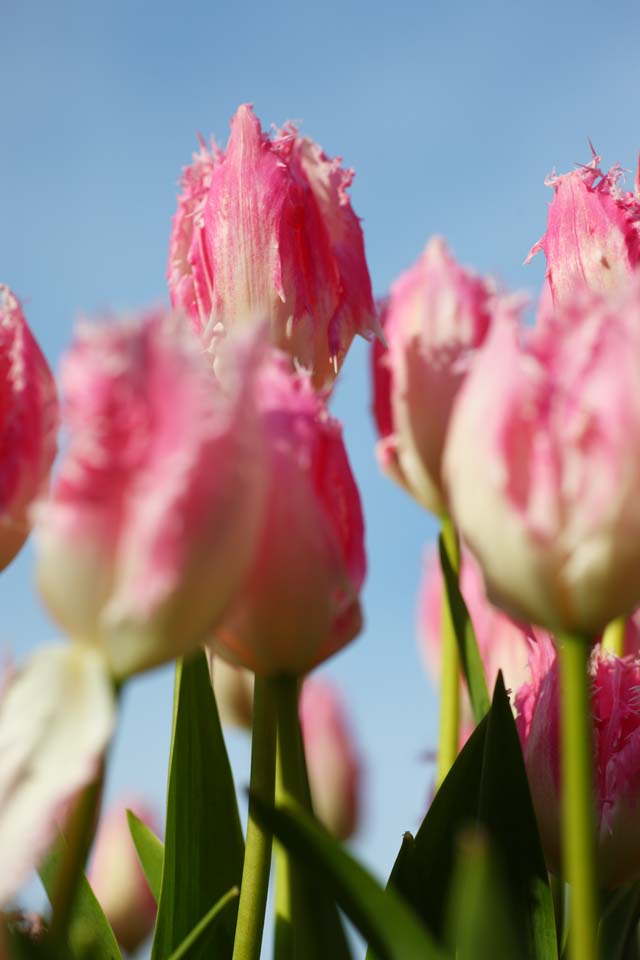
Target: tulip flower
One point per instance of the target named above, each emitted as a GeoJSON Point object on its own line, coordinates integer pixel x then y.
{"type": "Point", "coordinates": [615, 710]}
{"type": "Point", "coordinates": [503, 644]}
{"type": "Point", "coordinates": [542, 463]}
{"type": "Point", "coordinates": [28, 424]}
{"type": "Point", "coordinates": [56, 718]}
{"type": "Point", "coordinates": [117, 878]}
{"type": "Point", "coordinates": [437, 315]}
{"type": "Point", "coordinates": [153, 516]}
{"type": "Point", "coordinates": [265, 229]}
{"type": "Point", "coordinates": [593, 232]}
{"type": "Point", "coordinates": [299, 603]}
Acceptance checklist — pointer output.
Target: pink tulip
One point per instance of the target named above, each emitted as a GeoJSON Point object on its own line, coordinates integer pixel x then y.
{"type": "Point", "coordinates": [332, 763]}
{"type": "Point", "coordinates": [542, 466]}
{"type": "Point", "coordinates": [438, 314]}
{"type": "Point", "coordinates": [299, 604]}
{"type": "Point", "coordinates": [593, 232]}
{"type": "Point", "coordinates": [503, 644]}
{"type": "Point", "coordinates": [28, 424]}
{"type": "Point", "coordinates": [117, 877]}
{"type": "Point", "coordinates": [616, 719]}
{"type": "Point", "coordinates": [154, 513]}
{"type": "Point", "coordinates": [265, 229]}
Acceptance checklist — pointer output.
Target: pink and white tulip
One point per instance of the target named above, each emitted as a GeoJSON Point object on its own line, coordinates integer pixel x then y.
{"type": "Point", "coordinates": [117, 877]}
{"type": "Point", "coordinates": [616, 721]}
{"type": "Point", "coordinates": [503, 644]}
{"type": "Point", "coordinates": [542, 466]}
{"type": "Point", "coordinates": [265, 229]}
{"type": "Point", "coordinates": [437, 315]}
{"type": "Point", "coordinates": [57, 714]}
{"type": "Point", "coordinates": [28, 424]}
{"type": "Point", "coordinates": [300, 602]}
{"type": "Point", "coordinates": [153, 517]}
{"type": "Point", "coordinates": [332, 762]}
{"type": "Point", "coordinates": [593, 232]}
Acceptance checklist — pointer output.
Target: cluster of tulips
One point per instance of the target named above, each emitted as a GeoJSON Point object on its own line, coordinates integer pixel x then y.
{"type": "Point", "coordinates": [203, 510]}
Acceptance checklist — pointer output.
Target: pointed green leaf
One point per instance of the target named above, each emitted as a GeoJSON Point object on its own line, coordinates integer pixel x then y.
{"type": "Point", "coordinates": [150, 852]}
{"type": "Point", "coordinates": [382, 917]}
{"type": "Point", "coordinates": [90, 936]}
{"type": "Point", "coordinates": [618, 923]}
{"type": "Point", "coordinates": [189, 944]}
{"type": "Point", "coordinates": [203, 848]}
{"type": "Point", "coordinates": [470, 658]}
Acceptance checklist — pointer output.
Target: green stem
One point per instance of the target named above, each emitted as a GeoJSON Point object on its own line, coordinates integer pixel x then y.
{"type": "Point", "coordinates": [257, 857]}
{"type": "Point", "coordinates": [449, 735]}
{"type": "Point", "coordinates": [614, 636]}
{"type": "Point", "coordinates": [79, 837]}
{"type": "Point", "coordinates": [578, 815]}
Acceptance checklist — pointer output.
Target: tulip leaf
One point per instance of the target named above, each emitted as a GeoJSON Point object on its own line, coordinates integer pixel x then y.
{"type": "Point", "coordinates": [470, 658]}
{"type": "Point", "coordinates": [618, 922]}
{"type": "Point", "coordinates": [391, 927]}
{"type": "Point", "coordinates": [89, 936]}
{"type": "Point", "coordinates": [203, 848]}
{"type": "Point", "coordinates": [188, 945]}
{"type": "Point", "coordinates": [150, 852]}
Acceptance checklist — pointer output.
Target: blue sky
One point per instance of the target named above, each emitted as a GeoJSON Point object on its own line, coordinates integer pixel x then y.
{"type": "Point", "coordinates": [451, 114]}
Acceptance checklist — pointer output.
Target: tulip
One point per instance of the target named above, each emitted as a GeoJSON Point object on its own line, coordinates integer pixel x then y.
{"type": "Point", "coordinates": [28, 424]}
{"type": "Point", "coordinates": [437, 315]}
{"type": "Point", "coordinates": [615, 711]}
{"type": "Point", "coordinates": [117, 877]}
{"type": "Point", "coordinates": [56, 718]}
{"type": "Point", "coordinates": [332, 763]}
{"type": "Point", "coordinates": [154, 512]}
{"type": "Point", "coordinates": [542, 463]}
{"type": "Point", "coordinates": [266, 229]}
{"type": "Point", "coordinates": [502, 643]}
{"type": "Point", "coordinates": [233, 689]}
{"type": "Point", "coordinates": [299, 603]}
{"type": "Point", "coordinates": [593, 232]}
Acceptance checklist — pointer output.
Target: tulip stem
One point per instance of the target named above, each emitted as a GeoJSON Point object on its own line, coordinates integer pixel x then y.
{"type": "Point", "coordinates": [614, 636]}
{"type": "Point", "coordinates": [450, 681]}
{"type": "Point", "coordinates": [257, 857]}
{"type": "Point", "coordinates": [578, 814]}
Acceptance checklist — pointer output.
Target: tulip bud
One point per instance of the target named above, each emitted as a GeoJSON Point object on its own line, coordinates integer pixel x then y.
{"type": "Point", "coordinates": [593, 232]}
{"type": "Point", "coordinates": [616, 729]}
{"type": "Point", "coordinates": [28, 424]}
{"type": "Point", "coordinates": [502, 643]}
{"type": "Point", "coordinates": [542, 463]}
{"type": "Point", "coordinates": [233, 689]}
{"type": "Point", "coordinates": [153, 516]}
{"type": "Point", "coordinates": [437, 315]}
{"type": "Point", "coordinates": [299, 604]}
{"type": "Point", "coordinates": [117, 877]}
{"type": "Point", "coordinates": [266, 229]}
{"type": "Point", "coordinates": [332, 763]}
{"type": "Point", "coordinates": [56, 718]}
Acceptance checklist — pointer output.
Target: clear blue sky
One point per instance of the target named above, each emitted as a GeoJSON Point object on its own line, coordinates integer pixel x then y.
{"type": "Point", "coordinates": [451, 114]}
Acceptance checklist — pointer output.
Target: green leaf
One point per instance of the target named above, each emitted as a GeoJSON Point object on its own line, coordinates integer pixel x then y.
{"type": "Point", "coordinates": [470, 658]}
{"type": "Point", "coordinates": [150, 852]}
{"type": "Point", "coordinates": [619, 921]}
{"type": "Point", "coordinates": [381, 916]}
{"type": "Point", "coordinates": [203, 848]}
{"type": "Point", "coordinates": [90, 936]}
{"type": "Point", "coordinates": [188, 945]}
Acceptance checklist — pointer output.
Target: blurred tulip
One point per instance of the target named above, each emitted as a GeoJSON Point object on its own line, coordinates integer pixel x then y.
{"type": "Point", "coordinates": [154, 512]}
{"type": "Point", "coordinates": [56, 717]}
{"type": "Point", "coordinates": [332, 763]}
{"type": "Point", "coordinates": [117, 877]}
{"type": "Point", "coordinates": [616, 718]}
{"type": "Point", "coordinates": [437, 315]}
{"type": "Point", "coordinates": [503, 644]}
{"type": "Point", "coordinates": [265, 229]}
{"type": "Point", "coordinates": [542, 463]}
{"type": "Point", "coordinates": [300, 603]}
{"type": "Point", "coordinates": [593, 232]}
{"type": "Point", "coordinates": [28, 424]}
{"type": "Point", "coordinates": [233, 689]}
